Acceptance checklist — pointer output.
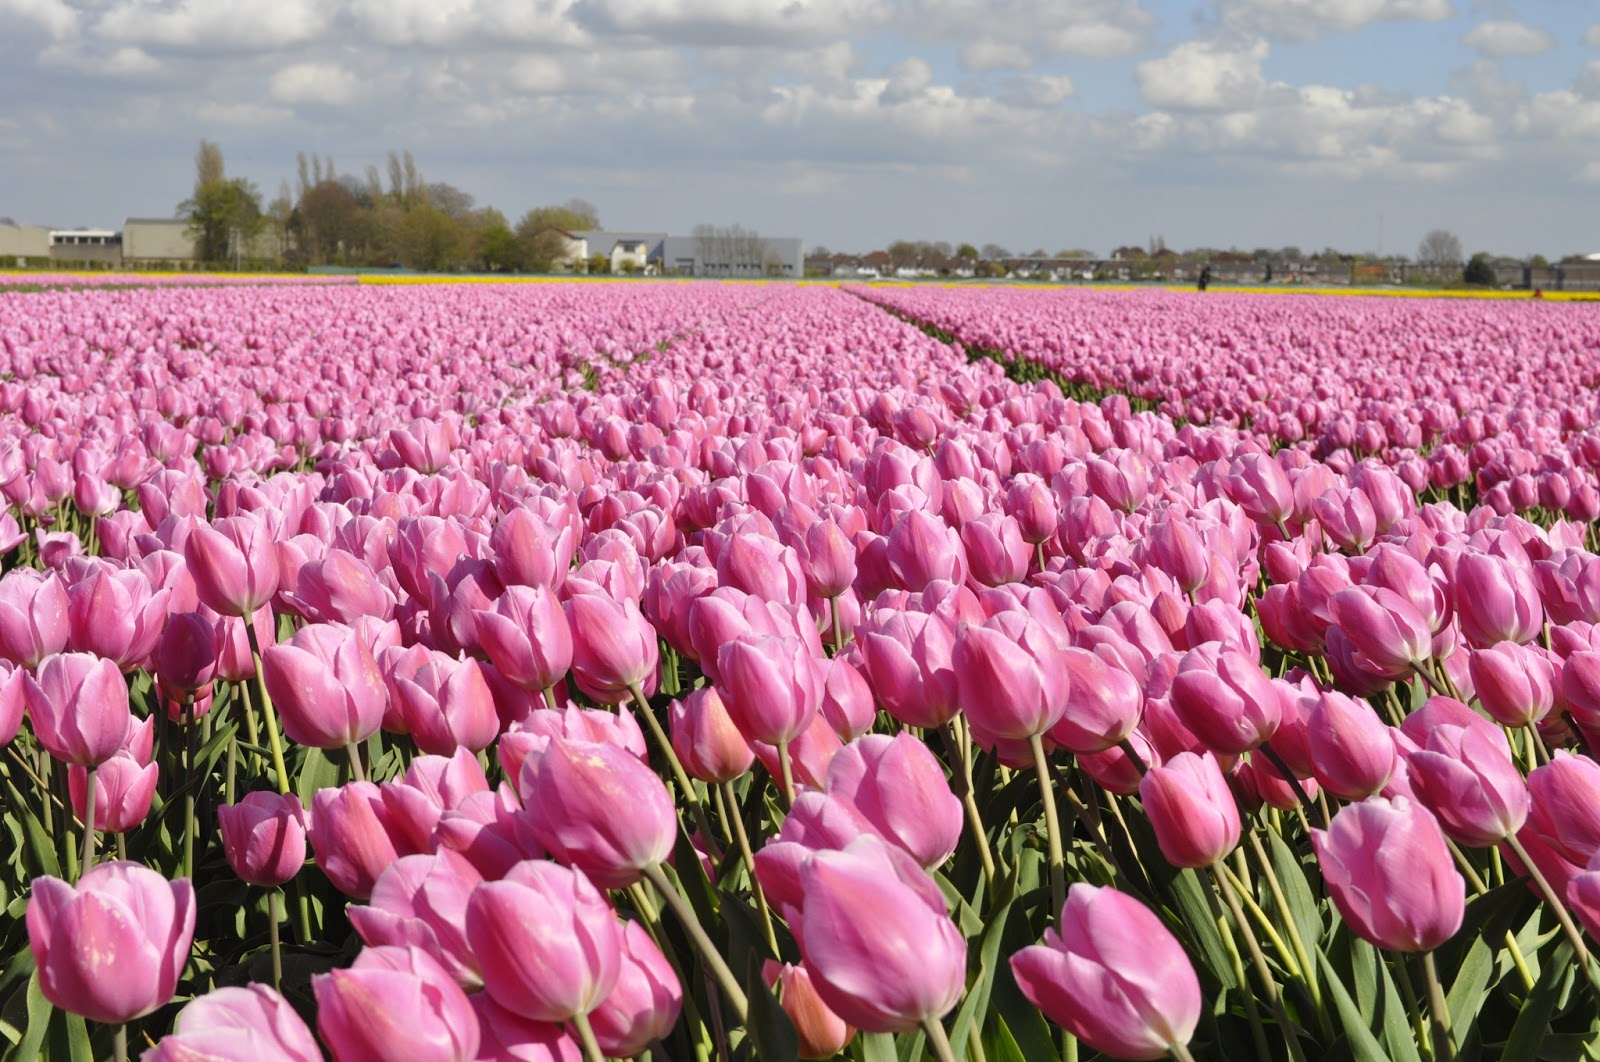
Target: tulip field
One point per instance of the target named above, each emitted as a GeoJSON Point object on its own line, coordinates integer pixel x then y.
{"type": "Point", "coordinates": [698, 671]}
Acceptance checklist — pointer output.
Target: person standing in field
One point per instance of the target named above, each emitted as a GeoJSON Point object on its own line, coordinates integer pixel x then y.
{"type": "Point", "coordinates": [1205, 277]}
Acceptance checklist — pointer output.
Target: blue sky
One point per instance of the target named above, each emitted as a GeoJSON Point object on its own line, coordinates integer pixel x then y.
{"type": "Point", "coordinates": [850, 123]}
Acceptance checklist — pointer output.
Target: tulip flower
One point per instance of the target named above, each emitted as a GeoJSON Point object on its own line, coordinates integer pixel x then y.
{"type": "Point", "coordinates": [443, 702]}
{"type": "Point", "coordinates": [1466, 778]}
{"type": "Point", "coordinates": [112, 947]}
{"type": "Point", "coordinates": [772, 687]}
{"type": "Point", "coordinates": [124, 791]}
{"type": "Point", "coordinates": [1390, 874]}
{"type": "Point", "coordinates": [1514, 683]}
{"type": "Point", "coordinates": [237, 1025]}
{"type": "Point", "coordinates": [1225, 698]}
{"type": "Point", "coordinates": [527, 637]}
{"type": "Point", "coordinates": [1496, 600]}
{"type": "Point", "coordinates": [1012, 676]}
{"type": "Point", "coordinates": [847, 703]}
{"type": "Point", "coordinates": [643, 1007]}
{"type": "Point", "coordinates": [114, 614]}
{"type": "Point", "coordinates": [821, 1033]}
{"type": "Point", "coordinates": [1565, 814]}
{"type": "Point", "coordinates": [421, 901]}
{"type": "Point", "coordinates": [706, 739]}
{"type": "Point", "coordinates": [505, 1036]}
{"type": "Point", "coordinates": [1352, 752]}
{"type": "Point", "coordinates": [78, 704]}
{"type": "Point", "coordinates": [613, 649]}
{"type": "Point", "coordinates": [1114, 976]}
{"type": "Point", "coordinates": [395, 1003]}
{"type": "Point", "coordinates": [234, 564]}
{"type": "Point", "coordinates": [34, 620]}
{"type": "Point", "coordinates": [350, 834]}
{"type": "Point", "coordinates": [1191, 809]}
{"type": "Point", "coordinates": [908, 664]}
{"type": "Point", "coordinates": [326, 686]}
{"type": "Point", "coordinates": [882, 951]}
{"type": "Point", "coordinates": [899, 789]}
{"type": "Point", "coordinates": [264, 837]}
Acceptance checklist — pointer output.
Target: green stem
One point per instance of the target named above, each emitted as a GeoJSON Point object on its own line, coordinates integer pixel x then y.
{"type": "Point", "coordinates": [273, 914]}
{"type": "Point", "coordinates": [266, 703]}
{"type": "Point", "coordinates": [937, 1040]}
{"type": "Point", "coordinates": [786, 768]}
{"type": "Point", "coordinates": [748, 858]}
{"type": "Point", "coordinates": [591, 1047]}
{"type": "Point", "coordinates": [550, 698]}
{"type": "Point", "coordinates": [189, 784]}
{"type": "Point", "coordinates": [696, 808]}
{"type": "Point", "coordinates": [838, 626]}
{"type": "Point", "coordinates": [1181, 1053]}
{"type": "Point", "coordinates": [119, 1044]}
{"type": "Point", "coordinates": [961, 772]}
{"type": "Point", "coordinates": [708, 951]}
{"type": "Point", "coordinates": [1550, 895]}
{"type": "Point", "coordinates": [1302, 956]}
{"type": "Point", "coordinates": [1408, 993]}
{"type": "Point", "coordinates": [355, 762]}
{"type": "Point", "coordinates": [1442, 1050]}
{"type": "Point", "coordinates": [1052, 826]}
{"type": "Point", "coordinates": [1134, 757]}
{"type": "Point", "coordinates": [1268, 985]}
{"type": "Point", "coordinates": [89, 794]}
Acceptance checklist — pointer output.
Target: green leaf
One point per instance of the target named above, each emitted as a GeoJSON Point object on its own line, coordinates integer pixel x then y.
{"type": "Point", "coordinates": [1000, 1046]}
{"type": "Point", "coordinates": [1026, 1024]}
{"type": "Point", "coordinates": [876, 1047]}
{"type": "Point", "coordinates": [1364, 1047]}
{"type": "Point", "coordinates": [37, 1025]}
{"type": "Point", "coordinates": [1297, 894]}
{"type": "Point", "coordinates": [912, 1047]}
{"type": "Point", "coordinates": [1533, 1021]}
{"type": "Point", "coordinates": [771, 1032]}
{"type": "Point", "coordinates": [1468, 991]}
{"type": "Point", "coordinates": [976, 1005]}
{"type": "Point", "coordinates": [317, 771]}
{"type": "Point", "coordinates": [39, 842]}
{"type": "Point", "coordinates": [1198, 921]}
{"type": "Point", "coordinates": [1397, 1031]}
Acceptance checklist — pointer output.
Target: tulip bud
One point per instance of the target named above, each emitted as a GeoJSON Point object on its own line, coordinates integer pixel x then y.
{"type": "Point", "coordinates": [78, 705]}
{"type": "Point", "coordinates": [1191, 809]}
{"type": "Point", "coordinates": [899, 788]}
{"type": "Point", "coordinates": [613, 648]}
{"type": "Point", "coordinates": [1352, 751]}
{"type": "Point", "coordinates": [703, 735]}
{"type": "Point", "coordinates": [234, 564]}
{"type": "Point", "coordinates": [1225, 699]}
{"type": "Point", "coordinates": [1565, 813]}
{"type": "Point", "coordinates": [527, 637]}
{"type": "Point", "coordinates": [395, 1003]}
{"type": "Point", "coordinates": [326, 686]}
{"type": "Point", "coordinates": [821, 1032]}
{"type": "Point", "coordinates": [264, 837]}
{"type": "Point", "coordinates": [1513, 683]}
{"type": "Point", "coordinates": [772, 687]}
{"type": "Point", "coordinates": [237, 1025]}
{"type": "Point", "coordinates": [644, 1005]}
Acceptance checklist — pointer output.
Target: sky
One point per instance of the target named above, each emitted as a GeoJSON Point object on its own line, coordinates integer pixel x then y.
{"type": "Point", "coordinates": [1356, 124]}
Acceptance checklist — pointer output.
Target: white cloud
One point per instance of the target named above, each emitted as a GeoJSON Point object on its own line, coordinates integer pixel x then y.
{"type": "Point", "coordinates": [1502, 37]}
{"type": "Point", "coordinates": [316, 84]}
{"type": "Point", "coordinates": [1591, 36]}
{"type": "Point", "coordinates": [809, 184]}
{"type": "Point", "coordinates": [1015, 34]}
{"type": "Point", "coordinates": [453, 23]}
{"type": "Point", "coordinates": [1304, 20]}
{"type": "Point", "coordinates": [907, 81]}
{"type": "Point", "coordinates": [724, 22]}
{"type": "Point", "coordinates": [215, 25]}
{"type": "Point", "coordinates": [1204, 76]}
{"type": "Point", "coordinates": [52, 16]}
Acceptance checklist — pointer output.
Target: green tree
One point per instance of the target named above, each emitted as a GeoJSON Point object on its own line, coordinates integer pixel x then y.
{"type": "Point", "coordinates": [966, 250]}
{"type": "Point", "coordinates": [540, 235]}
{"type": "Point", "coordinates": [497, 244]}
{"type": "Point", "coordinates": [1480, 270]}
{"type": "Point", "coordinates": [224, 214]}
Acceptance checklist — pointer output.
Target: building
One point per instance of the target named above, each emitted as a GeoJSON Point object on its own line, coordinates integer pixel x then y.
{"type": "Point", "coordinates": [99, 246]}
{"type": "Point", "coordinates": [157, 241]}
{"type": "Point", "coordinates": [21, 243]}
{"type": "Point", "coordinates": [698, 256]}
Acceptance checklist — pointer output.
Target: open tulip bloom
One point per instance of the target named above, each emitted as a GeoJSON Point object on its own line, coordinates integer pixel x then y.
{"type": "Point", "coordinates": [543, 671]}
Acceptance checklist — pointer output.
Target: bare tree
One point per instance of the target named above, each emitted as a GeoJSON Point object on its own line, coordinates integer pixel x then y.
{"type": "Point", "coordinates": [1439, 248]}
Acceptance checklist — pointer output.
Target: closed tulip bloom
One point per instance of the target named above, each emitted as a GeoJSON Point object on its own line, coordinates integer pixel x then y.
{"type": "Point", "coordinates": [508, 1037]}
{"type": "Point", "coordinates": [597, 808]}
{"type": "Point", "coordinates": [922, 549]}
{"type": "Point", "coordinates": [1225, 699]}
{"type": "Point", "coordinates": [996, 552]}
{"type": "Point", "coordinates": [1468, 781]}
{"type": "Point", "coordinates": [1177, 547]}
{"type": "Point", "coordinates": [264, 837]}
{"type": "Point", "coordinates": [1580, 684]}
{"type": "Point", "coordinates": [1390, 874]}
{"type": "Point", "coordinates": [1259, 486]}
{"type": "Point", "coordinates": [1347, 518]}
{"type": "Point", "coordinates": [828, 558]}
{"type": "Point", "coordinates": [527, 637]}
{"type": "Point", "coordinates": [1514, 683]}
{"type": "Point", "coordinates": [1104, 704]}
{"type": "Point", "coordinates": [1566, 806]}
{"type": "Point", "coordinates": [882, 950]}
{"type": "Point", "coordinates": [339, 587]}
{"type": "Point", "coordinates": [1583, 896]}
{"type": "Point", "coordinates": [33, 616]}
{"type": "Point", "coordinates": [395, 1003]}
{"type": "Point", "coordinates": [1387, 633]}
{"type": "Point", "coordinates": [549, 945]}
{"type": "Point", "coordinates": [443, 702]}
{"type": "Point", "coordinates": [421, 901]}
{"type": "Point", "coordinates": [234, 562]}
{"type": "Point", "coordinates": [613, 647]}
{"type": "Point", "coordinates": [821, 1032]}
{"type": "Point", "coordinates": [762, 567]}
{"type": "Point", "coordinates": [847, 702]}
{"type": "Point", "coordinates": [185, 655]}
{"type": "Point", "coordinates": [78, 704]}
{"type": "Point", "coordinates": [326, 686]}
{"type": "Point", "coordinates": [771, 685]}
{"type": "Point", "coordinates": [705, 739]}
{"type": "Point", "coordinates": [1112, 975]}
{"type": "Point", "coordinates": [112, 947]}
{"type": "Point", "coordinates": [644, 1005]}
{"type": "Point", "coordinates": [124, 789]}
{"type": "Point", "coordinates": [1121, 482]}
{"type": "Point", "coordinates": [899, 787]}
{"type": "Point", "coordinates": [530, 552]}
{"type": "Point", "coordinates": [114, 614]}
{"type": "Point", "coordinates": [1191, 809]}
{"type": "Point", "coordinates": [238, 1025]}
{"type": "Point", "coordinates": [1352, 751]}
{"type": "Point", "coordinates": [1012, 676]}
{"type": "Point", "coordinates": [908, 663]}
{"type": "Point", "coordinates": [1036, 509]}
{"type": "Point", "coordinates": [1496, 600]}
{"type": "Point", "coordinates": [350, 834]}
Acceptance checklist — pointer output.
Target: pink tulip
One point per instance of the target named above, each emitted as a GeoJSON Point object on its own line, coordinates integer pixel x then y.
{"type": "Point", "coordinates": [1565, 813]}
{"type": "Point", "coordinates": [264, 837]}
{"type": "Point", "coordinates": [772, 687]}
{"type": "Point", "coordinates": [1496, 600]}
{"type": "Point", "coordinates": [549, 945]}
{"type": "Point", "coordinates": [78, 705]}
{"type": "Point", "coordinates": [234, 564]}
{"type": "Point", "coordinates": [882, 951]}
{"type": "Point", "coordinates": [1580, 684]}
{"type": "Point", "coordinates": [395, 1003]}
{"type": "Point", "coordinates": [1466, 778]}
{"type": "Point", "coordinates": [1226, 699]}
{"type": "Point", "coordinates": [922, 548]}
{"type": "Point", "coordinates": [185, 654]}
{"type": "Point", "coordinates": [350, 834]}
{"type": "Point", "coordinates": [899, 788]}
{"type": "Point", "coordinates": [1514, 683]}
{"type": "Point", "coordinates": [1352, 752]}
{"type": "Point", "coordinates": [706, 740]}
{"type": "Point", "coordinates": [444, 703]}
{"type": "Point", "coordinates": [847, 702]}
{"type": "Point", "coordinates": [761, 567]}
{"type": "Point", "coordinates": [908, 664]}
{"type": "Point", "coordinates": [1103, 706]}
{"type": "Point", "coordinates": [124, 789]}
{"type": "Point", "coordinates": [527, 637]}
{"type": "Point", "coordinates": [827, 558]}
{"type": "Point", "coordinates": [237, 1025]}
{"type": "Point", "coordinates": [613, 648]}
{"type": "Point", "coordinates": [821, 1033]}
{"type": "Point", "coordinates": [1390, 874]}
{"type": "Point", "coordinates": [114, 614]}
{"type": "Point", "coordinates": [34, 619]}
{"type": "Point", "coordinates": [644, 1005]}
{"type": "Point", "coordinates": [326, 686]}
{"type": "Point", "coordinates": [597, 808]}
{"type": "Point", "coordinates": [1583, 897]}
{"type": "Point", "coordinates": [508, 1037]}
{"type": "Point", "coordinates": [1112, 975]}
{"type": "Point", "coordinates": [996, 552]}
{"type": "Point", "coordinates": [530, 552]}
{"type": "Point", "coordinates": [421, 901]}
{"type": "Point", "coordinates": [1012, 676]}
{"type": "Point", "coordinates": [1191, 809]}
{"type": "Point", "coordinates": [112, 947]}
{"type": "Point", "coordinates": [339, 588]}
{"type": "Point", "coordinates": [1388, 635]}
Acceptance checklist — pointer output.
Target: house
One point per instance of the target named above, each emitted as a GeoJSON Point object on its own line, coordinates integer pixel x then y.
{"type": "Point", "coordinates": [20, 243]}
{"type": "Point", "coordinates": [746, 255]}
{"type": "Point", "coordinates": [154, 241]}
{"type": "Point", "coordinates": [623, 251]}
{"type": "Point", "coordinates": [101, 246]}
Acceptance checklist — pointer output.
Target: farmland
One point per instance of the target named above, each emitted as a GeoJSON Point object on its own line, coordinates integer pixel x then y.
{"type": "Point", "coordinates": [576, 670]}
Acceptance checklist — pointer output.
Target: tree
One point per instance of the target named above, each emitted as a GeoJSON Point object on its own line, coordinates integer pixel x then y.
{"type": "Point", "coordinates": [224, 215]}
{"type": "Point", "coordinates": [994, 250]}
{"type": "Point", "coordinates": [497, 244]}
{"type": "Point", "coordinates": [1439, 248]}
{"type": "Point", "coordinates": [540, 234]}
{"type": "Point", "coordinates": [968, 251]}
{"type": "Point", "coordinates": [1480, 270]}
